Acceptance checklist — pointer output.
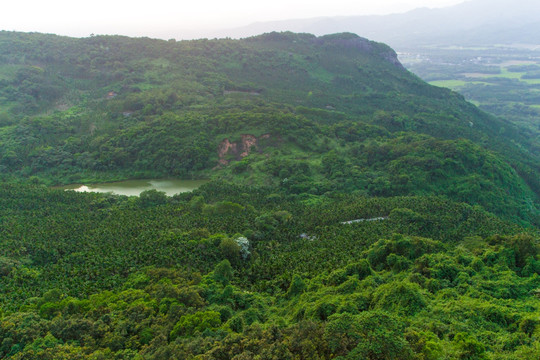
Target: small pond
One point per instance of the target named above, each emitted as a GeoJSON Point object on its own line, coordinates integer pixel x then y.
{"type": "Point", "coordinates": [135, 187]}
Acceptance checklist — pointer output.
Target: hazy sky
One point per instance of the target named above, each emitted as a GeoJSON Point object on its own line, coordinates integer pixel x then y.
{"type": "Point", "coordinates": [179, 19]}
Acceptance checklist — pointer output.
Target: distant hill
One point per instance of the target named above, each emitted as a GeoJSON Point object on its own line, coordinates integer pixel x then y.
{"type": "Point", "coordinates": [475, 22]}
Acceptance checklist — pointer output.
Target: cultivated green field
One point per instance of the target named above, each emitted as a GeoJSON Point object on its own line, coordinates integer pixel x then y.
{"type": "Point", "coordinates": [505, 82]}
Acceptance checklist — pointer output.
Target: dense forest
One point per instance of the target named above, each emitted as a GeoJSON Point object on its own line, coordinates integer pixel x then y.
{"type": "Point", "coordinates": [353, 211]}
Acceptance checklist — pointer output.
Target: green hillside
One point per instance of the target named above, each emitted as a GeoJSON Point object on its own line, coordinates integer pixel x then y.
{"type": "Point", "coordinates": [353, 211]}
{"type": "Point", "coordinates": [108, 107]}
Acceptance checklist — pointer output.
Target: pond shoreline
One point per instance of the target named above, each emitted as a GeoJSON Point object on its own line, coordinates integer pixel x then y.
{"type": "Point", "coordinates": [135, 187]}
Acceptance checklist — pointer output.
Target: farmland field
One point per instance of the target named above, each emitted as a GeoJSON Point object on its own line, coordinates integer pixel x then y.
{"type": "Point", "coordinates": [503, 81]}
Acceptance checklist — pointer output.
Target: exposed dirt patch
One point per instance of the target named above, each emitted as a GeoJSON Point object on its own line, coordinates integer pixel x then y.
{"type": "Point", "coordinates": [248, 141]}
{"type": "Point", "coordinates": [238, 150]}
{"type": "Point", "coordinates": [223, 149]}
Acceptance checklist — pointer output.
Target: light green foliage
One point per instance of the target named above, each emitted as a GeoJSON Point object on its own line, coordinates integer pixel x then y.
{"type": "Point", "coordinates": [197, 323]}
{"type": "Point", "coordinates": [152, 198]}
{"type": "Point", "coordinates": [399, 297]}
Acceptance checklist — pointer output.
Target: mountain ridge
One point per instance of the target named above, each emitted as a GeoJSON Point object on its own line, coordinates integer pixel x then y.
{"type": "Point", "coordinates": [470, 23]}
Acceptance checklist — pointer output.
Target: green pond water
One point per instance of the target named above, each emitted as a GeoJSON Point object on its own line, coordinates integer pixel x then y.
{"type": "Point", "coordinates": [135, 187]}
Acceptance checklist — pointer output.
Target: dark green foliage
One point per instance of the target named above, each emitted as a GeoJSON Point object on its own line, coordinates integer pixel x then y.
{"type": "Point", "coordinates": [524, 247]}
{"type": "Point", "coordinates": [400, 251]}
{"type": "Point", "coordinates": [223, 272]}
{"type": "Point", "coordinates": [230, 250]}
{"type": "Point", "coordinates": [528, 326]}
{"type": "Point", "coordinates": [370, 335]}
{"type": "Point", "coordinates": [470, 348]}
{"type": "Point", "coordinates": [297, 286]}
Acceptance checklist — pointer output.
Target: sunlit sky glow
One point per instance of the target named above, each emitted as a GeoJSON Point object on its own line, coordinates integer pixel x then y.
{"type": "Point", "coordinates": [180, 19]}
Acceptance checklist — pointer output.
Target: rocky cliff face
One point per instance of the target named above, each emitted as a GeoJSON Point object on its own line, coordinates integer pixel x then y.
{"type": "Point", "coordinates": [238, 150]}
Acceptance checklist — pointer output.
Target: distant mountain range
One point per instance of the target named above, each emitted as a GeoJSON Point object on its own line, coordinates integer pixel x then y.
{"type": "Point", "coordinates": [472, 23]}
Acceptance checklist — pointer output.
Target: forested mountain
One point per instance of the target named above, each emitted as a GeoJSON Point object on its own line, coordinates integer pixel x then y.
{"type": "Point", "coordinates": [336, 112]}
{"type": "Point", "coordinates": [487, 50]}
{"type": "Point", "coordinates": [353, 212]}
